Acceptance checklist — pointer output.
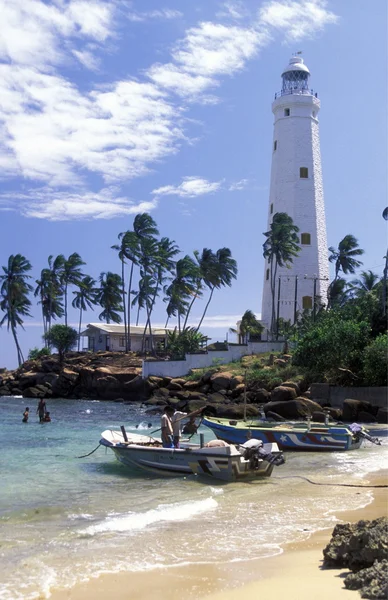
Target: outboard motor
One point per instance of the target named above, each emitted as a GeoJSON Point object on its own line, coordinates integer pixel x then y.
{"type": "Point", "coordinates": [253, 450]}
{"type": "Point", "coordinates": [359, 433]}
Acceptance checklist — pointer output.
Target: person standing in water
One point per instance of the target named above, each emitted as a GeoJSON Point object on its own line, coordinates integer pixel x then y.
{"type": "Point", "coordinates": [166, 427]}
{"type": "Point", "coordinates": [41, 410]}
{"type": "Point", "coordinates": [26, 415]}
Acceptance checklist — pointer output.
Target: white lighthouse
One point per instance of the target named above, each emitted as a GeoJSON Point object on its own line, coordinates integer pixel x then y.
{"type": "Point", "coordinates": [296, 189]}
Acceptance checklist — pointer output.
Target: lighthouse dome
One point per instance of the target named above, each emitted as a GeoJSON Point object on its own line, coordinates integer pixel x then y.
{"type": "Point", "coordinates": [296, 64]}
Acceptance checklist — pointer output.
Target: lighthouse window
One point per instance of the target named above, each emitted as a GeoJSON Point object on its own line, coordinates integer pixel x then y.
{"type": "Point", "coordinates": [275, 145]}
{"type": "Point", "coordinates": [267, 275]}
{"type": "Point", "coordinates": [271, 208]}
{"type": "Point", "coordinates": [307, 302]}
{"type": "Point", "coordinates": [286, 112]}
{"type": "Point", "coordinates": [305, 239]}
{"type": "Point", "coordinates": [303, 172]}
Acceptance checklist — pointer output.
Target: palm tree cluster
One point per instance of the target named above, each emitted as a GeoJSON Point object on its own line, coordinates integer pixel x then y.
{"type": "Point", "coordinates": [149, 270]}
{"type": "Point", "coordinates": [158, 272]}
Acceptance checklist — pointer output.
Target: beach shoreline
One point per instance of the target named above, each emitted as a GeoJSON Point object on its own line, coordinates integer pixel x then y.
{"type": "Point", "coordinates": [297, 571]}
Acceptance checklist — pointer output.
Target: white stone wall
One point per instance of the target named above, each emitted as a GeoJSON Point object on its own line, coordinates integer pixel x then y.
{"type": "Point", "coordinates": [178, 368]}
{"type": "Point", "coordinates": [297, 141]}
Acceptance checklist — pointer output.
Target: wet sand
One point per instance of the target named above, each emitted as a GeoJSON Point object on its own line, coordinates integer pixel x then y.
{"type": "Point", "coordinates": [297, 573]}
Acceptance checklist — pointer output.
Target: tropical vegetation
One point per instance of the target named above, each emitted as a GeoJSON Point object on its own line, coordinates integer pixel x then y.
{"type": "Point", "coordinates": [151, 271]}
{"type": "Point", "coordinates": [62, 338]}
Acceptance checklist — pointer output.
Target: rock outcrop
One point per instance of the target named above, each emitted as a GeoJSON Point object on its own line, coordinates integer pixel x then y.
{"type": "Point", "coordinates": [363, 548]}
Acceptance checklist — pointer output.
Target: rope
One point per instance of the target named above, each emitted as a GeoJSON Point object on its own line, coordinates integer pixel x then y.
{"type": "Point", "coordinates": [331, 484]}
{"type": "Point", "coordinates": [85, 455]}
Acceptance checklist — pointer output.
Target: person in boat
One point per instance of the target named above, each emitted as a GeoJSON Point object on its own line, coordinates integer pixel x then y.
{"type": "Point", "coordinates": [176, 420]}
{"type": "Point", "coordinates": [47, 417]}
{"type": "Point", "coordinates": [41, 410]}
{"type": "Point", "coordinates": [26, 415]}
{"type": "Point", "coordinates": [166, 427]}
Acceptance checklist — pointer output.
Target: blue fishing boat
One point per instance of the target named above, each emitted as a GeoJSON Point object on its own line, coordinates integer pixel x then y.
{"type": "Point", "coordinates": [291, 435]}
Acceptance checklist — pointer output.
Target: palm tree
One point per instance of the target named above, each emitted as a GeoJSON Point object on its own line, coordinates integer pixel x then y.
{"type": "Point", "coordinates": [344, 256]}
{"type": "Point", "coordinates": [221, 270]}
{"type": "Point", "coordinates": [71, 275]}
{"type": "Point", "coordinates": [338, 292]}
{"type": "Point", "coordinates": [249, 327]}
{"type": "Point", "coordinates": [366, 283]}
{"type": "Point", "coordinates": [108, 296]}
{"type": "Point", "coordinates": [385, 271]}
{"type": "Point", "coordinates": [50, 290]}
{"type": "Point", "coordinates": [121, 249]}
{"type": "Point", "coordinates": [14, 293]}
{"type": "Point", "coordinates": [162, 262]}
{"type": "Point", "coordinates": [85, 297]}
{"type": "Point", "coordinates": [182, 287]}
{"type": "Point", "coordinates": [143, 246]}
{"type": "Point", "coordinates": [280, 248]}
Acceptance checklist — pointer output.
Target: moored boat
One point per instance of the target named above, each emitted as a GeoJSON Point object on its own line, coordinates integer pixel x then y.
{"type": "Point", "coordinates": [291, 435]}
{"type": "Point", "coordinates": [214, 460]}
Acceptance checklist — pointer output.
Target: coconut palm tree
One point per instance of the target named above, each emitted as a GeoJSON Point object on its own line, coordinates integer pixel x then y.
{"type": "Point", "coordinates": [338, 292]}
{"type": "Point", "coordinates": [108, 296]}
{"type": "Point", "coordinates": [219, 270]}
{"type": "Point", "coordinates": [85, 297]}
{"type": "Point", "coordinates": [71, 275]}
{"type": "Point", "coordinates": [344, 256]}
{"type": "Point", "coordinates": [365, 283]}
{"type": "Point", "coordinates": [162, 263]}
{"type": "Point", "coordinates": [50, 290]}
{"type": "Point", "coordinates": [249, 327]}
{"type": "Point", "coordinates": [182, 288]}
{"type": "Point", "coordinates": [14, 292]}
{"type": "Point", "coordinates": [121, 249]}
{"type": "Point", "coordinates": [145, 230]}
{"type": "Point", "coordinates": [280, 248]}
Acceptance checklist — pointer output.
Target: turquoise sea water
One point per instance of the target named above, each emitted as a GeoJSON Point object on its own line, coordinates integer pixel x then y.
{"type": "Point", "coordinates": [65, 520]}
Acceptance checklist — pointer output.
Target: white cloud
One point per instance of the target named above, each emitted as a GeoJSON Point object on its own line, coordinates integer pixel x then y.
{"type": "Point", "coordinates": [163, 13]}
{"type": "Point", "coordinates": [234, 10]}
{"type": "Point", "coordinates": [54, 205]}
{"type": "Point", "coordinates": [189, 188]}
{"type": "Point", "coordinates": [297, 19]}
{"type": "Point", "coordinates": [55, 132]}
{"type": "Point", "coordinates": [238, 185]}
{"type": "Point", "coordinates": [87, 59]}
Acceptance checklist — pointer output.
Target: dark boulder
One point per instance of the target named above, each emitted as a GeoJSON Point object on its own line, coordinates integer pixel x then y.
{"type": "Point", "coordinates": [282, 394]}
{"type": "Point", "coordinates": [32, 392]}
{"type": "Point", "coordinates": [221, 381]}
{"type": "Point", "coordinates": [293, 409]}
{"type": "Point", "coordinates": [382, 415]}
{"type": "Point", "coordinates": [366, 417]}
{"type": "Point", "coordinates": [357, 545]}
{"type": "Point", "coordinates": [351, 409]}
{"type": "Point", "coordinates": [372, 581]}
{"type": "Point", "coordinates": [236, 411]}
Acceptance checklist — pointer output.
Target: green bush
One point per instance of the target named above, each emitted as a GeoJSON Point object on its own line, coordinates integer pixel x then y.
{"type": "Point", "coordinates": [63, 338]}
{"type": "Point", "coordinates": [375, 361]}
{"type": "Point", "coordinates": [36, 353]}
{"type": "Point", "coordinates": [331, 343]}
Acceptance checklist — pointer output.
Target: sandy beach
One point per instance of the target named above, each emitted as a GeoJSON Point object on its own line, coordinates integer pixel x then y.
{"type": "Point", "coordinates": [297, 572]}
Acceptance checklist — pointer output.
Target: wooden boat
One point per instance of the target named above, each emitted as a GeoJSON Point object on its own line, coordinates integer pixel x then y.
{"type": "Point", "coordinates": [291, 435]}
{"type": "Point", "coordinates": [226, 462]}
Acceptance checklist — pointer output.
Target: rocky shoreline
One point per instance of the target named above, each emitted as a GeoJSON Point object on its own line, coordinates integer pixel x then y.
{"type": "Point", "coordinates": [361, 547]}
{"type": "Point", "coordinates": [116, 377]}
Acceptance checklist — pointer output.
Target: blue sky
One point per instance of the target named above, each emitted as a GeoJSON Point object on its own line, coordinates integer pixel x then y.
{"type": "Point", "coordinates": [110, 108]}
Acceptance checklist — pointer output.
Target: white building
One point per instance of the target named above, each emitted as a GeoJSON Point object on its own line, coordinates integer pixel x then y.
{"type": "Point", "coordinates": [102, 336]}
{"type": "Point", "coordinates": [296, 189]}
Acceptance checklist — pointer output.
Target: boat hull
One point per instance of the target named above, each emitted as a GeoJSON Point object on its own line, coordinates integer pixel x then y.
{"type": "Point", "coordinates": [223, 463]}
{"type": "Point", "coordinates": [296, 436]}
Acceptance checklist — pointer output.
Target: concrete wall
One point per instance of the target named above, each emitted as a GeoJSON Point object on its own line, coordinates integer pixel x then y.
{"type": "Point", "coordinates": [378, 396]}
{"type": "Point", "coordinates": [178, 368]}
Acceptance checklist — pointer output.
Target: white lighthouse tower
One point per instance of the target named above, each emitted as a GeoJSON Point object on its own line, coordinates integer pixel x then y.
{"type": "Point", "coordinates": [296, 189]}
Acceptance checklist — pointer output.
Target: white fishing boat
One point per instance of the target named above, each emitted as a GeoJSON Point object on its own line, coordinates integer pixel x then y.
{"type": "Point", "coordinates": [215, 460]}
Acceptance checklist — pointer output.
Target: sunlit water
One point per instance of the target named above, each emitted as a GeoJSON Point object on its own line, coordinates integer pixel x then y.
{"type": "Point", "coordinates": [65, 519]}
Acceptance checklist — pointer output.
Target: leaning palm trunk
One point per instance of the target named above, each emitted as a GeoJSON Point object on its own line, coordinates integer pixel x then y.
{"type": "Point", "coordinates": [148, 322]}
{"type": "Point", "coordinates": [18, 349]}
{"type": "Point", "coordinates": [66, 304]}
{"type": "Point", "coordinates": [79, 328]}
{"type": "Point", "coordinates": [125, 313]}
{"type": "Point", "coordinates": [129, 308]}
{"type": "Point", "coordinates": [206, 307]}
{"type": "Point", "coordinates": [273, 289]}
{"type": "Point", "coordinates": [190, 307]}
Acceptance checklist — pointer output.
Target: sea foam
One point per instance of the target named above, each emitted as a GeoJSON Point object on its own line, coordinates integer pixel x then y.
{"type": "Point", "coordinates": [135, 521]}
